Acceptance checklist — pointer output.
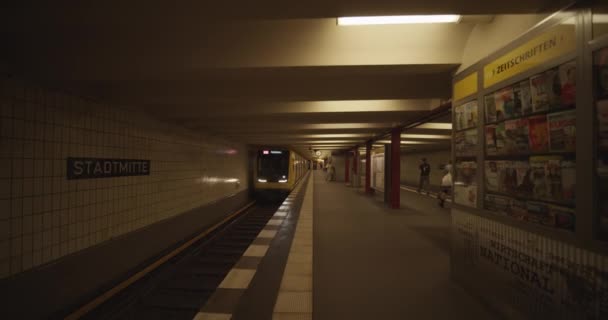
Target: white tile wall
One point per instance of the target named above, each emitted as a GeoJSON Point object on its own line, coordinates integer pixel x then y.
{"type": "Point", "coordinates": [44, 216]}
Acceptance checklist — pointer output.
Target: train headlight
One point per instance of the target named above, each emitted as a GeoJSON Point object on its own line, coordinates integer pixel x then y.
{"type": "Point", "coordinates": [283, 181]}
{"type": "Point", "coordinates": [262, 180]}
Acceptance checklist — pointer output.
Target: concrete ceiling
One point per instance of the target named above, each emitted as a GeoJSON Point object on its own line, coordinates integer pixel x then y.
{"type": "Point", "coordinates": [259, 72]}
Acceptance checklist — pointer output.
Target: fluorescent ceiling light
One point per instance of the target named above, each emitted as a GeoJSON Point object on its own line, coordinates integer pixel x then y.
{"type": "Point", "coordinates": [356, 125]}
{"type": "Point", "coordinates": [323, 135]}
{"type": "Point", "coordinates": [371, 20]}
{"type": "Point", "coordinates": [599, 18]}
{"type": "Point", "coordinates": [435, 125]}
{"type": "Point", "coordinates": [425, 136]}
{"type": "Point", "coordinates": [406, 142]}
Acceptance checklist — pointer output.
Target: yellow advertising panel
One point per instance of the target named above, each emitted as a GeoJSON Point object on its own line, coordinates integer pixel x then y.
{"type": "Point", "coordinates": [554, 43]}
{"type": "Point", "coordinates": [465, 87]}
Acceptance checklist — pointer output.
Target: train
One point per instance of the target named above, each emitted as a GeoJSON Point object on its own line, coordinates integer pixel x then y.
{"type": "Point", "coordinates": [278, 170]}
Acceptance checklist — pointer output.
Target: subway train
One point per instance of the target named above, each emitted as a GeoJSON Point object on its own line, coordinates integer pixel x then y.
{"type": "Point", "coordinates": [277, 171]}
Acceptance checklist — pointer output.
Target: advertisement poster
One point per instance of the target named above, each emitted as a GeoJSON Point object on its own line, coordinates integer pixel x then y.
{"type": "Point", "coordinates": [525, 274]}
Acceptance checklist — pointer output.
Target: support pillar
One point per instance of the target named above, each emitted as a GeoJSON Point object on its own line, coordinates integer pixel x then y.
{"type": "Point", "coordinates": [346, 168]}
{"type": "Point", "coordinates": [355, 161]}
{"type": "Point", "coordinates": [368, 168]}
{"type": "Point", "coordinates": [395, 169]}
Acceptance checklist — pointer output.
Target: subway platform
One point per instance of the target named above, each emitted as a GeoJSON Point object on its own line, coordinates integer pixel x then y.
{"type": "Point", "coordinates": [343, 255]}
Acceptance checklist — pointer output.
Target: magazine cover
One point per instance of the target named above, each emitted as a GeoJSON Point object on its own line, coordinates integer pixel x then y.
{"type": "Point", "coordinates": [525, 97]}
{"type": "Point", "coordinates": [601, 73]}
{"type": "Point", "coordinates": [602, 164]}
{"type": "Point", "coordinates": [470, 112]}
{"type": "Point", "coordinates": [519, 210]}
{"type": "Point", "coordinates": [470, 141]}
{"type": "Point", "coordinates": [562, 131]}
{"type": "Point", "coordinates": [553, 174]}
{"type": "Point", "coordinates": [459, 145]}
{"type": "Point", "coordinates": [507, 177]}
{"type": "Point", "coordinates": [500, 138]}
{"type": "Point", "coordinates": [459, 117]}
{"type": "Point", "coordinates": [603, 205]}
{"type": "Point", "coordinates": [524, 181]}
{"type": "Point", "coordinates": [505, 104]}
{"type": "Point", "coordinates": [516, 136]}
{"type": "Point", "coordinates": [539, 133]}
{"type": "Point", "coordinates": [555, 93]}
{"type": "Point", "coordinates": [539, 212]}
{"type": "Point", "coordinates": [466, 172]}
{"type": "Point", "coordinates": [537, 168]}
{"type": "Point", "coordinates": [539, 90]}
{"type": "Point", "coordinates": [491, 140]}
{"type": "Point", "coordinates": [504, 175]}
{"type": "Point", "coordinates": [567, 77]}
{"type": "Point", "coordinates": [492, 176]}
{"type": "Point", "coordinates": [465, 195]}
{"type": "Point", "coordinates": [568, 180]}
{"type": "Point", "coordinates": [497, 204]}
{"type": "Point", "coordinates": [564, 217]}
{"type": "Point", "coordinates": [490, 106]}
{"type": "Point", "coordinates": [602, 119]}
{"type": "Point", "coordinates": [517, 101]}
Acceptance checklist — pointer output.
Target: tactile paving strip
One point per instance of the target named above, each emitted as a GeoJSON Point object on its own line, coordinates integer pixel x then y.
{"type": "Point", "coordinates": [294, 300]}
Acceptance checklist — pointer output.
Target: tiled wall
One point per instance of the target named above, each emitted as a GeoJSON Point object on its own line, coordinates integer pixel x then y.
{"type": "Point", "coordinates": [44, 216]}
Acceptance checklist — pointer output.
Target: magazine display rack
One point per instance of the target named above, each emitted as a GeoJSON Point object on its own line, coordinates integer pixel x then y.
{"type": "Point", "coordinates": [534, 180]}
{"type": "Point", "coordinates": [515, 132]}
{"type": "Point", "coordinates": [601, 103]}
{"type": "Point", "coordinates": [465, 150]}
{"type": "Point", "coordinates": [530, 144]}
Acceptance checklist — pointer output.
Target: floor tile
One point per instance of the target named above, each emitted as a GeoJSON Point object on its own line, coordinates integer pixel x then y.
{"type": "Point", "coordinates": [299, 258]}
{"type": "Point", "coordinates": [297, 302]}
{"type": "Point", "coordinates": [237, 279]}
{"type": "Point", "coordinates": [274, 222]}
{"type": "Point", "coordinates": [296, 283]}
{"type": "Point", "coordinates": [267, 234]}
{"type": "Point", "coordinates": [255, 251]}
{"type": "Point", "coordinates": [292, 316]}
{"type": "Point", "coordinates": [223, 301]}
{"type": "Point", "coordinates": [212, 316]}
{"type": "Point", "coordinates": [298, 269]}
{"type": "Point", "coordinates": [248, 263]}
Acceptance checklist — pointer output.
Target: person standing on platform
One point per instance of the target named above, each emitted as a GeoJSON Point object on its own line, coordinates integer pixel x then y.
{"type": "Point", "coordinates": [446, 185]}
{"type": "Point", "coordinates": [425, 172]}
{"type": "Point", "coordinates": [329, 176]}
{"type": "Point", "coordinates": [332, 172]}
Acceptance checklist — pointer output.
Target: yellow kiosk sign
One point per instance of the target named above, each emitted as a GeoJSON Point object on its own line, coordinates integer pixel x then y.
{"type": "Point", "coordinates": [465, 87]}
{"type": "Point", "coordinates": [554, 43]}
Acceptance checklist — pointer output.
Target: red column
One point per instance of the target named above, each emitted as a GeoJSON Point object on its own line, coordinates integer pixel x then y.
{"type": "Point", "coordinates": [346, 168]}
{"type": "Point", "coordinates": [355, 160]}
{"type": "Point", "coordinates": [368, 168]}
{"type": "Point", "coordinates": [395, 169]}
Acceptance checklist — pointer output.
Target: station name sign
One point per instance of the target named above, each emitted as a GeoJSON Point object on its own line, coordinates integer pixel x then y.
{"type": "Point", "coordinates": [91, 168]}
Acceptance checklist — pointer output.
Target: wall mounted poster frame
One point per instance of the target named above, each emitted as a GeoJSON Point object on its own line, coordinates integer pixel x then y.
{"type": "Point", "coordinates": [536, 183]}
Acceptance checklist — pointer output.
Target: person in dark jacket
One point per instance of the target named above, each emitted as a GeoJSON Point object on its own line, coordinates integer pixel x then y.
{"type": "Point", "coordinates": [425, 172]}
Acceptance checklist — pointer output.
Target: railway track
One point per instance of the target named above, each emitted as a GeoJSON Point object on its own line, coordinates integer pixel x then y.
{"type": "Point", "coordinates": [179, 287]}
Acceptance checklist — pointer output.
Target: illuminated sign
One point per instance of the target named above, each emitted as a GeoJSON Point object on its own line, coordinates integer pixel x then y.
{"type": "Point", "coordinates": [465, 87]}
{"type": "Point", "coordinates": [276, 152]}
{"type": "Point", "coordinates": [91, 168]}
{"type": "Point", "coordinates": [543, 48]}
{"type": "Point", "coordinates": [265, 152]}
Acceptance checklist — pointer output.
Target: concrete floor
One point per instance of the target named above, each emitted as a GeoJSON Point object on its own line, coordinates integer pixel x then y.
{"type": "Point", "coordinates": [371, 262]}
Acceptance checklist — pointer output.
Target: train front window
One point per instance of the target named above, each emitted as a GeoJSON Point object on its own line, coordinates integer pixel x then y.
{"type": "Point", "coordinates": [273, 165]}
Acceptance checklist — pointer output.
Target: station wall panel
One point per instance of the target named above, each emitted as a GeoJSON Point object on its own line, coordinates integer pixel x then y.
{"type": "Point", "coordinates": [44, 216]}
